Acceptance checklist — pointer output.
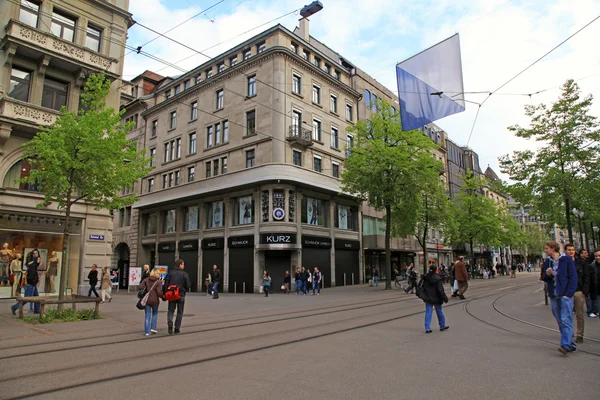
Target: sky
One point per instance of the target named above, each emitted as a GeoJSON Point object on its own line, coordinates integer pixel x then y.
{"type": "Point", "coordinates": [499, 38]}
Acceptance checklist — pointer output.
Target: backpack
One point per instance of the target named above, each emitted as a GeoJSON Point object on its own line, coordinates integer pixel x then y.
{"type": "Point", "coordinates": [172, 293]}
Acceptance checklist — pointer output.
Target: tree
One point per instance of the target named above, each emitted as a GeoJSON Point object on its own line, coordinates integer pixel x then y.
{"type": "Point", "coordinates": [385, 166]}
{"type": "Point", "coordinates": [565, 164]}
{"type": "Point", "coordinates": [85, 157]}
{"type": "Point", "coordinates": [512, 235]}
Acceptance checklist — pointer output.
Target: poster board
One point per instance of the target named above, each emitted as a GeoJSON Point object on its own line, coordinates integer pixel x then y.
{"type": "Point", "coordinates": [135, 276]}
{"type": "Point", "coordinates": [164, 270]}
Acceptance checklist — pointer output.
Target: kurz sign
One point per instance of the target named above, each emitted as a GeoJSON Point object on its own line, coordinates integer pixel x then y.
{"type": "Point", "coordinates": [278, 238]}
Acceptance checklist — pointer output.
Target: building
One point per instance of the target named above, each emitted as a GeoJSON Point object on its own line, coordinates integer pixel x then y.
{"type": "Point", "coordinates": [48, 48]}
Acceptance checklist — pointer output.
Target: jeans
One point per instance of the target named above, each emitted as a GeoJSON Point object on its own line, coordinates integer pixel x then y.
{"type": "Point", "coordinates": [562, 309]}
{"type": "Point", "coordinates": [151, 314]}
{"type": "Point", "coordinates": [317, 285]}
{"type": "Point", "coordinates": [93, 289]}
{"type": "Point", "coordinates": [215, 288]}
{"type": "Point", "coordinates": [375, 281]}
{"type": "Point", "coordinates": [30, 291]}
{"type": "Point", "coordinates": [304, 287]}
{"type": "Point", "coordinates": [266, 289]}
{"type": "Point", "coordinates": [591, 305]}
{"type": "Point", "coordinates": [179, 304]}
{"type": "Point", "coordinates": [298, 287]}
{"type": "Point", "coordinates": [439, 313]}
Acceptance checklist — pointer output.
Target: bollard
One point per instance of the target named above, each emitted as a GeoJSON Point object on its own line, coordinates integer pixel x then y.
{"type": "Point", "coordinates": [353, 279]}
{"type": "Point", "coordinates": [244, 287]}
{"type": "Point", "coordinates": [234, 287]}
{"type": "Point", "coordinates": [344, 279]}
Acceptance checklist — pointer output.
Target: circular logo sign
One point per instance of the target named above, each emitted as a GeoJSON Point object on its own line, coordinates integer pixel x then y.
{"type": "Point", "coordinates": [278, 214]}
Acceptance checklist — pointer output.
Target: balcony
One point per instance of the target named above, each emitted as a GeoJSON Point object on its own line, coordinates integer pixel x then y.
{"type": "Point", "coordinates": [67, 55]}
{"type": "Point", "coordinates": [300, 136]}
{"type": "Point", "coordinates": [19, 110]}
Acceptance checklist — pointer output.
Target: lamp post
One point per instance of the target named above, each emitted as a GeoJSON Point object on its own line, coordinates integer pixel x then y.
{"type": "Point", "coordinates": [579, 215]}
{"type": "Point", "coordinates": [437, 249]}
{"type": "Point", "coordinates": [597, 232]}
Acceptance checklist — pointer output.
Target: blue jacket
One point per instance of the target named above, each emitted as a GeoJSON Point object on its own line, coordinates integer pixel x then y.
{"type": "Point", "coordinates": [565, 281]}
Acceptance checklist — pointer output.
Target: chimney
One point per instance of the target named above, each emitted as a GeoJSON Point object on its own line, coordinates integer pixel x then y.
{"type": "Point", "coordinates": [304, 31]}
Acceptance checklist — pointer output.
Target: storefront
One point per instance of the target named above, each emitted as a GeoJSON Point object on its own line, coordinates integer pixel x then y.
{"type": "Point", "coordinates": [316, 253]}
{"type": "Point", "coordinates": [347, 267]}
{"type": "Point", "coordinates": [166, 254]}
{"type": "Point", "coordinates": [278, 252]}
{"type": "Point", "coordinates": [188, 252]}
{"type": "Point", "coordinates": [376, 258]}
{"type": "Point", "coordinates": [212, 254]}
{"type": "Point", "coordinates": [241, 264]}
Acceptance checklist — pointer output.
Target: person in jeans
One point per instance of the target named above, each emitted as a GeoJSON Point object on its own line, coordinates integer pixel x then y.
{"type": "Point", "coordinates": [266, 282]}
{"type": "Point", "coordinates": [34, 263]}
{"type": "Point", "coordinates": [375, 275]}
{"type": "Point", "coordinates": [316, 284]}
{"type": "Point", "coordinates": [298, 280]}
{"type": "Point", "coordinates": [215, 277]}
{"type": "Point", "coordinates": [583, 289]}
{"type": "Point", "coordinates": [560, 276]}
{"type": "Point", "coordinates": [594, 268]}
{"type": "Point", "coordinates": [93, 278]}
{"type": "Point", "coordinates": [154, 288]}
{"type": "Point", "coordinates": [412, 279]}
{"type": "Point", "coordinates": [177, 276]}
{"type": "Point", "coordinates": [304, 278]}
{"type": "Point", "coordinates": [434, 296]}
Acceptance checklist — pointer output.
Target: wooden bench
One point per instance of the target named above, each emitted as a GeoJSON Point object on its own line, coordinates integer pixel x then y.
{"type": "Point", "coordinates": [43, 301]}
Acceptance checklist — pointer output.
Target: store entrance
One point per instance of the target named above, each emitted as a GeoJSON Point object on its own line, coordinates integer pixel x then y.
{"type": "Point", "coordinates": [277, 262]}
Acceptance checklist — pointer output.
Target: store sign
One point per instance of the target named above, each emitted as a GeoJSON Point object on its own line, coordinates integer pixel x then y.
{"type": "Point", "coordinates": [343, 244]}
{"type": "Point", "coordinates": [188, 245]}
{"type": "Point", "coordinates": [278, 238]}
{"type": "Point", "coordinates": [166, 247]}
{"type": "Point", "coordinates": [213, 243]}
{"type": "Point", "coordinates": [316, 241]}
{"type": "Point", "coordinates": [241, 241]}
{"type": "Point", "coordinates": [278, 214]}
{"type": "Point", "coordinates": [96, 237]}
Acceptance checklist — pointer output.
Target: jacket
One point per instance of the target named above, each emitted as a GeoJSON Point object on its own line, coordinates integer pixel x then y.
{"type": "Point", "coordinates": [93, 277]}
{"type": "Point", "coordinates": [583, 276]}
{"type": "Point", "coordinates": [155, 294]}
{"type": "Point", "coordinates": [460, 271]}
{"type": "Point", "coordinates": [304, 276]}
{"type": "Point", "coordinates": [594, 279]}
{"type": "Point", "coordinates": [32, 273]}
{"type": "Point", "coordinates": [180, 278]}
{"type": "Point", "coordinates": [106, 282]}
{"type": "Point", "coordinates": [433, 289]}
{"type": "Point", "coordinates": [564, 283]}
{"type": "Point", "coordinates": [215, 275]}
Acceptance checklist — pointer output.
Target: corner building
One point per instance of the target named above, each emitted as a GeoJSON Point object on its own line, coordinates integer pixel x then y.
{"type": "Point", "coordinates": [248, 152]}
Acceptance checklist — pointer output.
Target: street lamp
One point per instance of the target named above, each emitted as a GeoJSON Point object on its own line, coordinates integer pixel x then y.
{"type": "Point", "coordinates": [579, 215]}
{"type": "Point", "coordinates": [597, 232]}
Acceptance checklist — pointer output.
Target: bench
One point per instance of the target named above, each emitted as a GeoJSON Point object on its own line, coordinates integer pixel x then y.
{"type": "Point", "coordinates": [73, 300]}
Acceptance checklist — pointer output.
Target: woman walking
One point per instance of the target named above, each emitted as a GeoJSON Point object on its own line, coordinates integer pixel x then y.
{"type": "Point", "coordinates": [106, 285]}
{"type": "Point", "coordinates": [266, 282]}
{"type": "Point", "coordinates": [287, 280]}
{"type": "Point", "coordinates": [154, 288]}
{"type": "Point", "coordinates": [434, 296]}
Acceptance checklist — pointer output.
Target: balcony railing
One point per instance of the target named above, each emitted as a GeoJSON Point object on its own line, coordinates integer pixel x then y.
{"type": "Point", "coordinates": [16, 109]}
{"type": "Point", "coordinates": [300, 136]}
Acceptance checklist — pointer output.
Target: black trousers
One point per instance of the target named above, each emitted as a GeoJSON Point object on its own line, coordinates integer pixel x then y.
{"type": "Point", "coordinates": [93, 289]}
{"type": "Point", "coordinates": [179, 304]}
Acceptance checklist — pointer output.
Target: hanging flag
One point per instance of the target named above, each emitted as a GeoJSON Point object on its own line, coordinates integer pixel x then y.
{"type": "Point", "coordinates": [430, 84]}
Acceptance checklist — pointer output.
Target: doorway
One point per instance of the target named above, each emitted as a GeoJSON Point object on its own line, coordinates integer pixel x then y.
{"type": "Point", "coordinates": [277, 262]}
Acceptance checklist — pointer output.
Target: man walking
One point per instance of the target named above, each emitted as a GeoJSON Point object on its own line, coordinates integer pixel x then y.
{"type": "Point", "coordinates": [181, 280]}
{"type": "Point", "coordinates": [592, 306]}
{"type": "Point", "coordinates": [462, 276]}
{"type": "Point", "coordinates": [93, 278]}
{"type": "Point", "coordinates": [215, 275]}
{"type": "Point", "coordinates": [316, 284]}
{"type": "Point", "coordinates": [304, 278]}
{"type": "Point", "coordinates": [560, 276]}
{"type": "Point", "coordinates": [583, 289]}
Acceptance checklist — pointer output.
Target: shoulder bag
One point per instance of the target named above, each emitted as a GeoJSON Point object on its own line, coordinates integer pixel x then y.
{"type": "Point", "coordinates": [141, 304]}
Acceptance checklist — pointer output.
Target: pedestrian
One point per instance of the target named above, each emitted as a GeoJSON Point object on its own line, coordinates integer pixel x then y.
{"type": "Point", "coordinates": [216, 278]}
{"type": "Point", "coordinates": [412, 279]}
{"type": "Point", "coordinates": [155, 290]}
{"type": "Point", "coordinates": [209, 289]}
{"type": "Point", "coordinates": [594, 268]}
{"type": "Point", "coordinates": [583, 289]}
{"type": "Point", "coordinates": [304, 278]}
{"type": "Point", "coordinates": [181, 280]}
{"type": "Point", "coordinates": [145, 272]}
{"type": "Point", "coordinates": [560, 276]}
{"type": "Point", "coordinates": [513, 270]}
{"type": "Point", "coordinates": [462, 277]}
{"type": "Point", "coordinates": [298, 280]}
{"type": "Point", "coordinates": [93, 278]}
{"type": "Point", "coordinates": [266, 282]}
{"type": "Point", "coordinates": [287, 280]}
{"type": "Point", "coordinates": [375, 274]}
{"type": "Point", "coordinates": [452, 279]}
{"type": "Point", "coordinates": [106, 285]}
{"type": "Point", "coordinates": [316, 284]}
{"type": "Point", "coordinates": [433, 294]}
{"type": "Point", "coordinates": [397, 278]}
{"type": "Point", "coordinates": [34, 263]}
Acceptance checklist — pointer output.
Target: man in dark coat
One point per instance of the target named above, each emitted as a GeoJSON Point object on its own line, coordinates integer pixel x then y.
{"type": "Point", "coordinates": [432, 293]}
{"type": "Point", "coordinates": [462, 276]}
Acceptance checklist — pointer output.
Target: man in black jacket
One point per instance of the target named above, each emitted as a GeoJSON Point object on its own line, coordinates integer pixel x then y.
{"type": "Point", "coordinates": [93, 278]}
{"type": "Point", "coordinates": [432, 293]}
{"type": "Point", "coordinates": [583, 289]}
{"type": "Point", "coordinates": [178, 277]}
{"type": "Point", "coordinates": [215, 275]}
{"type": "Point", "coordinates": [594, 267]}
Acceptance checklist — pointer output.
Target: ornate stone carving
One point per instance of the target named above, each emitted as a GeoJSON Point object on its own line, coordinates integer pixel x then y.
{"type": "Point", "coordinates": [101, 61]}
{"type": "Point", "coordinates": [32, 35]}
{"type": "Point", "coordinates": [72, 50]}
{"type": "Point", "coordinates": [41, 117]}
{"type": "Point", "coordinates": [291, 205]}
{"type": "Point", "coordinates": [265, 205]}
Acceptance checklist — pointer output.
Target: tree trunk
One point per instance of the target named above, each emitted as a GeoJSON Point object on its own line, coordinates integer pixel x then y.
{"type": "Point", "coordinates": [472, 253]}
{"type": "Point", "coordinates": [388, 254]}
{"type": "Point", "coordinates": [568, 216]}
{"type": "Point", "coordinates": [65, 256]}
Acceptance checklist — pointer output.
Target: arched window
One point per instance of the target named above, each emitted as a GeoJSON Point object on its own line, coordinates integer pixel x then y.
{"type": "Point", "coordinates": [19, 170]}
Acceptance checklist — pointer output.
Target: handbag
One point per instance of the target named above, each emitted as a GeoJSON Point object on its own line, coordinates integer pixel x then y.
{"type": "Point", "coordinates": [267, 283]}
{"type": "Point", "coordinates": [143, 291]}
{"type": "Point", "coordinates": [23, 281]}
{"type": "Point", "coordinates": [141, 304]}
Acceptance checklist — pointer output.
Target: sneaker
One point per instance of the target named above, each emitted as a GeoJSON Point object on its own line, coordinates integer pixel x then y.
{"type": "Point", "coordinates": [170, 328]}
{"type": "Point", "coordinates": [444, 328]}
{"type": "Point", "coordinates": [146, 334]}
{"type": "Point", "coordinates": [14, 312]}
{"type": "Point", "coordinates": [563, 351]}
{"type": "Point", "coordinates": [592, 315]}
{"type": "Point", "coordinates": [177, 331]}
{"type": "Point", "coordinates": [429, 331]}
{"type": "Point", "coordinates": [153, 331]}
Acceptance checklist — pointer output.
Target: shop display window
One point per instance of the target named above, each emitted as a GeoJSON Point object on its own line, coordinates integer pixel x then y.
{"type": "Point", "coordinates": [314, 211]}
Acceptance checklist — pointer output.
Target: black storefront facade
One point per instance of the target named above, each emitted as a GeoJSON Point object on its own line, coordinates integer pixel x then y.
{"type": "Point", "coordinates": [316, 252]}
{"type": "Point", "coordinates": [212, 254]}
{"type": "Point", "coordinates": [347, 259]}
{"type": "Point", "coordinates": [188, 252]}
{"type": "Point", "coordinates": [241, 264]}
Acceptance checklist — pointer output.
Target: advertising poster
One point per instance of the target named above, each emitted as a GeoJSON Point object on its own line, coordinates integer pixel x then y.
{"type": "Point", "coordinates": [135, 276]}
{"type": "Point", "coordinates": [164, 270]}
{"type": "Point", "coordinates": [312, 211]}
{"type": "Point", "coordinates": [245, 211]}
{"type": "Point", "coordinates": [343, 214]}
{"type": "Point", "coordinates": [28, 257]}
{"type": "Point", "coordinates": [217, 214]}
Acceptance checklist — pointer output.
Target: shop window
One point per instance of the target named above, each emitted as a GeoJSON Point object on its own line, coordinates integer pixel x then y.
{"type": "Point", "coordinates": [243, 210]}
{"type": "Point", "coordinates": [215, 214]}
{"type": "Point", "coordinates": [18, 171]}
{"type": "Point", "coordinates": [168, 221]}
{"type": "Point", "coordinates": [150, 224]}
{"type": "Point", "coordinates": [314, 211]}
{"type": "Point", "coordinates": [192, 218]}
{"type": "Point", "coordinates": [345, 217]}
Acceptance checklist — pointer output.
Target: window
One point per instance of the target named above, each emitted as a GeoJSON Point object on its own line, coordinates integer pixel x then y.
{"type": "Point", "coordinates": [243, 210]}
{"type": "Point", "coordinates": [169, 221]}
{"type": "Point", "coordinates": [152, 157]}
{"type": "Point", "coordinates": [150, 185]}
{"type": "Point", "coordinates": [297, 157]}
{"type": "Point", "coordinates": [336, 74]}
{"type": "Point", "coordinates": [314, 211]}
{"type": "Point", "coordinates": [306, 55]}
{"type": "Point", "coordinates": [219, 99]}
{"type": "Point", "coordinates": [194, 111]}
{"type": "Point", "coordinates": [150, 224]}
{"type": "Point", "coordinates": [221, 67]}
{"type": "Point", "coordinates": [316, 94]}
{"type": "Point", "coordinates": [209, 136]}
{"type": "Point", "coordinates": [187, 84]}
{"type": "Point", "coordinates": [209, 73]}
{"type": "Point", "coordinates": [317, 130]}
{"type": "Point", "coordinates": [19, 84]}
{"type": "Point", "coordinates": [317, 61]}
{"type": "Point", "coordinates": [218, 133]}
{"type": "Point", "coordinates": [177, 90]}
{"type": "Point", "coordinates": [317, 163]}
{"type": "Point", "coordinates": [207, 169]}
{"type": "Point", "coordinates": [177, 177]}
{"type": "Point", "coordinates": [173, 123]}
{"type": "Point", "coordinates": [335, 169]}
{"type": "Point", "coordinates": [216, 167]}
{"type": "Point", "coordinates": [373, 102]}
{"type": "Point", "coordinates": [215, 214]}
{"type": "Point", "coordinates": [294, 48]}
{"type": "Point", "coordinates": [191, 218]}
{"type": "Point", "coordinates": [92, 38]}
{"type": "Point", "coordinates": [346, 217]}
{"type": "Point", "coordinates": [154, 128]}
{"type": "Point", "coordinates": [191, 174]}
{"type": "Point", "coordinates": [349, 112]}
{"type": "Point", "coordinates": [367, 98]}
{"type": "Point", "coordinates": [171, 179]}
{"type": "Point", "coordinates": [29, 13]}
{"type": "Point", "coordinates": [261, 47]}
{"type": "Point", "coordinates": [20, 169]}
{"type": "Point", "coordinates": [198, 78]}
{"type": "Point", "coordinates": [167, 94]}
{"type": "Point", "coordinates": [250, 122]}
{"type": "Point", "coordinates": [247, 54]}
{"type": "Point", "coordinates": [349, 144]}
{"type": "Point", "coordinates": [327, 69]}
{"type": "Point", "coordinates": [335, 139]}
{"type": "Point", "coordinates": [225, 131]}
{"type": "Point", "coordinates": [55, 94]}
{"type": "Point", "coordinates": [167, 152]}
{"type": "Point", "coordinates": [232, 61]}
{"type": "Point", "coordinates": [63, 26]}
{"type": "Point", "coordinates": [333, 104]}
{"type": "Point", "coordinates": [165, 181]}
{"type": "Point", "coordinates": [223, 165]}
{"type": "Point", "coordinates": [296, 122]}
{"type": "Point", "coordinates": [393, 110]}
{"type": "Point", "coordinates": [296, 84]}
{"type": "Point", "coordinates": [249, 158]}
{"type": "Point", "coordinates": [192, 149]}
{"type": "Point", "coordinates": [251, 86]}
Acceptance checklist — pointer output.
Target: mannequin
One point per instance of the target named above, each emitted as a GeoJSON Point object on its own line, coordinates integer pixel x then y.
{"type": "Point", "coordinates": [16, 269]}
{"type": "Point", "coordinates": [52, 272]}
{"type": "Point", "coordinates": [5, 256]}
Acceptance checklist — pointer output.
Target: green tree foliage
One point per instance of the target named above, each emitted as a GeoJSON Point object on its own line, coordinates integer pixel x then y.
{"type": "Point", "coordinates": [565, 169]}
{"type": "Point", "coordinates": [386, 166]}
{"type": "Point", "coordinates": [85, 157]}
{"type": "Point", "coordinates": [535, 240]}
{"type": "Point", "coordinates": [512, 234]}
